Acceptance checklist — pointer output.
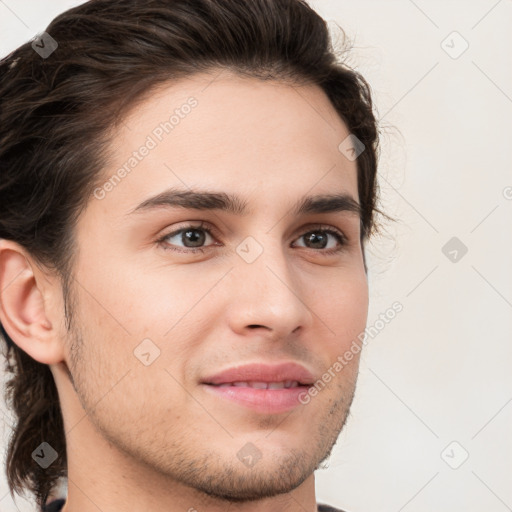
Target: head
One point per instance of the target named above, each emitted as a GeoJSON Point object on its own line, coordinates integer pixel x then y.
{"type": "Point", "coordinates": [246, 102]}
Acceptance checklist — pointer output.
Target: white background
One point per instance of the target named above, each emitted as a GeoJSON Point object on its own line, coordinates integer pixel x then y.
{"type": "Point", "coordinates": [440, 372]}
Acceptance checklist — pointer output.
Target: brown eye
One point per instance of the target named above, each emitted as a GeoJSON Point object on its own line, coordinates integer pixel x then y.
{"type": "Point", "coordinates": [320, 239]}
{"type": "Point", "coordinates": [188, 237]}
{"type": "Point", "coordinates": [195, 237]}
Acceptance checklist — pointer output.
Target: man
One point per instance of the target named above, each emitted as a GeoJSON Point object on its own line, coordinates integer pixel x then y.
{"type": "Point", "coordinates": [186, 191]}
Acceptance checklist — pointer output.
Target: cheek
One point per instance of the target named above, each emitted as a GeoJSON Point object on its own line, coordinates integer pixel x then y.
{"type": "Point", "coordinates": [343, 306]}
{"type": "Point", "coordinates": [118, 375]}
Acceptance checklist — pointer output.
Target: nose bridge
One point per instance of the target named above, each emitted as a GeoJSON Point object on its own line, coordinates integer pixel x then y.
{"type": "Point", "coordinates": [267, 293]}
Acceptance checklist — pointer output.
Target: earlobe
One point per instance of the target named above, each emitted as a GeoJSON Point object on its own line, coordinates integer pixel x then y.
{"type": "Point", "coordinates": [22, 306]}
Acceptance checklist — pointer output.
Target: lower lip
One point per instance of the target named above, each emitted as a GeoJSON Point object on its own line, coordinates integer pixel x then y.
{"type": "Point", "coordinates": [262, 400]}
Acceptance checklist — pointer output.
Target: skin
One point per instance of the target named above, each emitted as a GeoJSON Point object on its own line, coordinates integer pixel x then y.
{"type": "Point", "coordinates": [149, 437]}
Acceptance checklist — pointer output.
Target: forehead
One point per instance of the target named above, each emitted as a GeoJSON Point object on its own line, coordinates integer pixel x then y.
{"type": "Point", "coordinates": [226, 132]}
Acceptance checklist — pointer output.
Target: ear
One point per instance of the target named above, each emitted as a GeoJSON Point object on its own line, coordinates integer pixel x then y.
{"type": "Point", "coordinates": [27, 303]}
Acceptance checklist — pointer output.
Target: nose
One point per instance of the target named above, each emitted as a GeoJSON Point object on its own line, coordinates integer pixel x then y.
{"type": "Point", "coordinates": [268, 296]}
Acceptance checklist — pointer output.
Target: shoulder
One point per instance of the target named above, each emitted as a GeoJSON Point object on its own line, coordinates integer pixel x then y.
{"type": "Point", "coordinates": [322, 507]}
{"type": "Point", "coordinates": [54, 506]}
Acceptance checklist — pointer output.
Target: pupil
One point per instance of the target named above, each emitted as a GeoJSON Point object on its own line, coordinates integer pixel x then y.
{"type": "Point", "coordinates": [314, 239]}
{"type": "Point", "coordinates": [194, 238]}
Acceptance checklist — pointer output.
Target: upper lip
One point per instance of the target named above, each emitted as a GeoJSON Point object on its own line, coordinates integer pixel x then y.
{"type": "Point", "coordinates": [261, 372]}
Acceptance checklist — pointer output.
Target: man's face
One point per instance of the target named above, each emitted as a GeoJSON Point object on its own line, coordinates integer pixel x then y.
{"type": "Point", "coordinates": [266, 287]}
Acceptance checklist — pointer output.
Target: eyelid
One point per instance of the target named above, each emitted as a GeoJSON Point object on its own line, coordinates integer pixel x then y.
{"type": "Point", "coordinates": [203, 225]}
{"type": "Point", "coordinates": [191, 225]}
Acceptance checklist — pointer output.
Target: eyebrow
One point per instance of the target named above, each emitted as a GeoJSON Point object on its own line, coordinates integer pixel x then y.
{"type": "Point", "coordinates": [208, 200]}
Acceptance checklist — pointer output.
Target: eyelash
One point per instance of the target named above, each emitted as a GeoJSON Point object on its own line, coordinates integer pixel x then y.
{"type": "Point", "coordinates": [319, 228]}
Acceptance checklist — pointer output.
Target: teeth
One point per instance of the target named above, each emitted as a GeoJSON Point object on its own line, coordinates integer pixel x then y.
{"type": "Point", "coordinates": [276, 385]}
{"type": "Point", "coordinates": [262, 385]}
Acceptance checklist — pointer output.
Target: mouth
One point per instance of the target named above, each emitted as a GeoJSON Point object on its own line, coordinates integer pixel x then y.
{"type": "Point", "coordinates": [260, 397]}
{"type": "Point", "coordinates": [261, 385]}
